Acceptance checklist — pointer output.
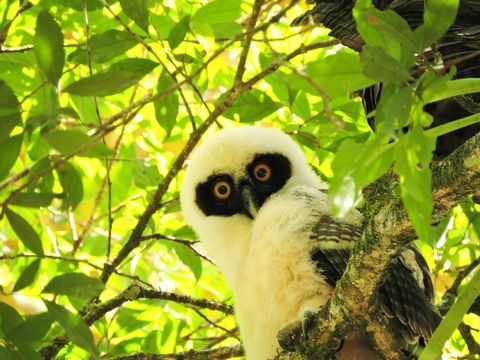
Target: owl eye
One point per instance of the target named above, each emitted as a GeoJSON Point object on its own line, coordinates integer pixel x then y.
{"type": "Point", "coordinates": [222, 190]}
{"type": "Point", "coordinates": [262, 172]}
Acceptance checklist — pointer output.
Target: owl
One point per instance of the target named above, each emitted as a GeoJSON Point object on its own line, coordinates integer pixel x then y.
{"type": "Point", "coordinates": [265, 218]}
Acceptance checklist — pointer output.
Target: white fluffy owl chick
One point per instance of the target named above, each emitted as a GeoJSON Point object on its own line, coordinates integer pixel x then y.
{"type": "Point", "coordinates": [264, 217]}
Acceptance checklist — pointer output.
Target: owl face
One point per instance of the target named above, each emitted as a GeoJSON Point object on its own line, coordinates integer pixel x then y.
{"type": "Point", "coordinates": [231, 178]}
{"type": "Point", "coordinates": [223, 194]}
{"type": "Point", "coordinates": [237, 170]}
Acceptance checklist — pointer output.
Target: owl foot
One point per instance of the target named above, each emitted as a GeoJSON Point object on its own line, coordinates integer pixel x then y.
{"type": "Point", "coordinates": [290, 336]}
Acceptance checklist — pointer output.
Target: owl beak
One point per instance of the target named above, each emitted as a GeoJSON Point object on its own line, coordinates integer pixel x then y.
{"type": "Point", "coordinates": [249, 201]}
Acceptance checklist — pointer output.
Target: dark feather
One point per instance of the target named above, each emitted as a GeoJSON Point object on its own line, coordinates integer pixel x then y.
{"type": "Point", "coordinates": [406, 302]}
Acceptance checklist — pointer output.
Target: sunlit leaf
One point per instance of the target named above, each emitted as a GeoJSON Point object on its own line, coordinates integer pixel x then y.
{"type": "Point", "coordinates": [27, 276]}
{"type": "Point", "coordinates": [117, 78]}
{"type": "Point", "coordinates": [69, 141]}
{"type": "Point", "coordinates": [10, 151]}
{"type": "Point", "coordinates": [137, 10]}
{"type": "Point", "coordinates": [10, 318]}
{"type": "Point", "coordinates": [393, 110]}
{"type": "Point", "coordinates": [9, 110]}
{"type": "Point", "coordinates": [438, 16]}
{"type": "Point", "coordinates": [34, 328]}
{"type": "Point", "coordinates": [33, 199]}
{"type": "Point", "coordinates": [48, 46]}
{"type": "Point", "coordinates": [379, 66]}
{"type": "Point", "coordinates": [412, 163]}
{"type": "Point", "coordinates": [77, 5]}
{"type": "Point", "coordinates": [251, 106]}
{"type": "Point", "coordinates": [145, 175]}
{"type": "Point", "coordinates": [189, 258]}
{"type": "Point", "coordinates": [166, 108]}
{"type": "Point", "coordinates": [385, 29]}
{"type": "Point", "coordinates": [28, 236]}
{"type": "Point", "coordinates": [337, 75]}
{"type": "Point", "coordinates": [104, 47]}
{"type": "Point", "coordinates": [350, 176]}
{"type": "Point", "coordinates": [218, 11]}
{"type": "Point", "coordinates": [74, 326]}
{"type": "Point", "coordinates": [178, 32]}
{"type": "Point", "coordinates": [163, 25]}
{"type": "Point", "coordinates": [76, 284]}
{"type": "Point", "coordinates": [72, 185]}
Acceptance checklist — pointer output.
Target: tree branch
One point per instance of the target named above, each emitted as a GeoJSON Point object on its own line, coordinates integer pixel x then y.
{"type": "Point", "coordinates": [95, 310]}
{"type": "Point", "coordinates": [212, 354]}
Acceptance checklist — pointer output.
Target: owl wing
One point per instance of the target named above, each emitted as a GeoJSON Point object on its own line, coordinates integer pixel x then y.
{"type": "Point", "coordinates": [404, 295]}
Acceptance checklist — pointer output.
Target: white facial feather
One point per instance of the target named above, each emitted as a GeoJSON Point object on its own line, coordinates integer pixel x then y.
{"type": "Point", "coordinates": [265, 260]}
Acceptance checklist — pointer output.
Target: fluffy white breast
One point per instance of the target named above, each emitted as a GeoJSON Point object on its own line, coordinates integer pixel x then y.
{"type": "Point", "coordinates": [280, 282]}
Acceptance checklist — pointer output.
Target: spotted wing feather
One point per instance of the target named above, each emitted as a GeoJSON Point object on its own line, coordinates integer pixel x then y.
{"type": "Point", "coordinates": [406, 302]}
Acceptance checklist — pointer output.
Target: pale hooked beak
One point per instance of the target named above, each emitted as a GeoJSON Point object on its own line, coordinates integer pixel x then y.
{"type": "Point", "coordinates": [249, 201]}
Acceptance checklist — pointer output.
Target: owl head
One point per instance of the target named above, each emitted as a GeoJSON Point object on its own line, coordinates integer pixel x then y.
{"type": "Point", "coordinates": [231, 177]}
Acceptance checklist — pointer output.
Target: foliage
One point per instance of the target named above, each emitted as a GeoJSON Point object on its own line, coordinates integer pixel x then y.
{"type": "Point", "coordinates": [101, 102]}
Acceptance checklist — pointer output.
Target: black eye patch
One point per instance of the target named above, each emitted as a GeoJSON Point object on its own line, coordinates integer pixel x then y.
{"type": "Point", "coordinates": [280, 172]}
{"type": "Point", "coordinates": [211, 204]}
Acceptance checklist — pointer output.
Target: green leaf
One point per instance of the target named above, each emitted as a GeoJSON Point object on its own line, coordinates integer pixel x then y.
{"type": "Point", "coordinates": [163, 25]}
{"type": "Point", "coordinates": [9, 317]}
{"type": "Point", "coordinates": [117, 78]}
{"type": "Point", "coordinates": [137, 10]}
{"type": "Point", "coordinates": [337, 74]}
{"type": "Point", "coordinates": [48, 46]}
{"type": "Point", "coordinates": [219, 11]}
{"type": "Point", "coordinates": [385, 29]}
{"type": "Point", "coordinates": [178, 32]}
{"type": "Point", "coordinates": [438, 16]}
{"type": "Point", "coordinates": [227, 30]}
{"type": "Point", "coordinates": [69, 141]}
{"type": "Point", "coordinates": [27, 276]}
{"type": "Point", "coordinates": [188, 257]}
{"type": "Point", "coordinates": [301, 106]}
{"type": "Point", "coordinates": [9, 111]}
{"type": "Point", "coordinates": [71, 182]}
{"type": "Point", "coordinates": [25, 232]}
{"type": "Point", "coordinates": [104, 47]}
{"type": "Point", "coordinates": [10, 151]}
{"type": "Point", "coordinates": [33, 199]}
{"type": "Point", "coordinates": [251, 106]}
{"type": "Point", "coordinates": [166, 331]}
{"type": "Point", "coordinates": [76, 284]}
{"type": "Point", "coordinates": [74, 327]}
{"type": "Point", "coordinates": [166, 108]}
{"type": "Point", "coordinates": [9, 351]}
{"type": "Point", "coordinates": [350, 176]}
{"type": "Point", "coordinates": [453, 318]}
{"type": "Point", "coordinates": [413, 154]}
{"type": "Point", "coordinates": [77, 5]}
{"type": "Point", "coordinates": [46, 181]}
{"type": "Point", "coordinates": [34, 328]}
{"type": "Point", "coordinates": [453, 125]}
{"type": "Point", "coordinates": [441, 90]}
{"type": "Point", "coordinates": [393, 110]}
{"type": "Point", "coordinates": [379, 66]}
{"type": "Point", "coordinates": [151, 343]}
{"type": "Point", "coordinates": [145, 175]}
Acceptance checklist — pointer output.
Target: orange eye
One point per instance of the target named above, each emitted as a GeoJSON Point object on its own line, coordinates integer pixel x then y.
{"type": "Point", "coordinates": [222, 190]}
{"type": "Point", "coordinates": [262, 172]}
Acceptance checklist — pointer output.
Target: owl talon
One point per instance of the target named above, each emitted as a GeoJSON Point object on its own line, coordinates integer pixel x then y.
{"type": "Point", "coordinates": [290, 336]}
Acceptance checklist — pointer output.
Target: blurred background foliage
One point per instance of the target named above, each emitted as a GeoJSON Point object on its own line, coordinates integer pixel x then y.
{"type": "Point", "coordinates": [97, 101]}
